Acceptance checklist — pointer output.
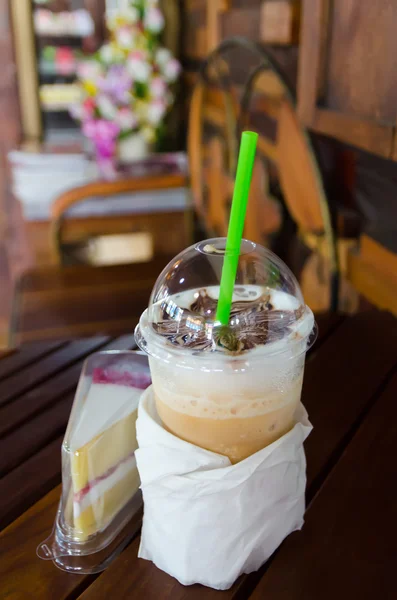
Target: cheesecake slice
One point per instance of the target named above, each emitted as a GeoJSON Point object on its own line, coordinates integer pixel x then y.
{"type": "Point", "coordinates": [102, 447]}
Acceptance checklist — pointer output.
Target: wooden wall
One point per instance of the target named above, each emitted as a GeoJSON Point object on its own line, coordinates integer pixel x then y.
{"type": "Point", "coordinates": [205, 23]}
{"type": "Point", "coordinates": [9, 112]}
{"type": "Point", "coordinates": [10, 130]}
{"type": "Point", "coordinates": [347, 79]}
{"type": "Point", "coordinates": [10, 134]}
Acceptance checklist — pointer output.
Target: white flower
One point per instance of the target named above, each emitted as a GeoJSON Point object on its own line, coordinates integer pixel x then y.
{"type": "Point", "coordinates": [163, 55]}
{"type": "Point", "coordinates": [106, 107]}
{"type": "Point", "coordinates": [131, 14]}
{"type": "Point", "coordinates": [89, 69]}
{"type": "Point", "coordinates": [139, 69]}
{"type": "Point", "coordinates": [126, 119]}
{"type": "Point", "coordinates": [125, 37]}
{"type": "Point", "coordinates": [171, 70]}
{"type": "Point", "coordinates": [154, 20]}
{"type": "Point", "coordinates": [109, 53]}
{"type": "Point", "coordinates": [106, 53]}
{"type": "Point", "coordinates": [155, 112]}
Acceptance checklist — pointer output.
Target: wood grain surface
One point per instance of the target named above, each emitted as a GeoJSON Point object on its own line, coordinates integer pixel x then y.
{"type": "Point", "coordinates": [348, 546]}
{"type": "Point", "coordinates": [337, 96]}
{"type": "Point", "coordinates": [350, 534]}
{"type": "Point", "coordinates": [62, 303]}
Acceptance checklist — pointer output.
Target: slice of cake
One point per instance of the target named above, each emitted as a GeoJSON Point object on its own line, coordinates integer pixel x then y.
{"type": "Point", "coordinates": [102, 446]}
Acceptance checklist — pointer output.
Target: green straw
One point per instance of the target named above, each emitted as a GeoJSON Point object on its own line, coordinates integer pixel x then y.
{"type": "Point", "coordinates": [245, 166]}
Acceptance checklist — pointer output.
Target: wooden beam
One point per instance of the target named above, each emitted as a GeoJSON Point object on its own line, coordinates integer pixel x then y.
{"type": "Point", "coordinates": [365, 134]}
{"type": "Point", "coordinates": [214, 9]}
{"type": "Point", "coordinates": [313, 38]}
{"type": "Point", "coordinates": [25, 55]}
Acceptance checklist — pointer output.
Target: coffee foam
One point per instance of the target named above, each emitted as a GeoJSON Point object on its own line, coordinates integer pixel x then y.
{"type": "Point", "coordinates": [224, 394]}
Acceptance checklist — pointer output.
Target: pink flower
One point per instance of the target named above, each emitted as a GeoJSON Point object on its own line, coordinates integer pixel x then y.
{"type": "Point", "coordinates": [103, 135]}
{"type": "Point", "coordinates": [107, 130]}
{"type": "Point", "coordinates": [137, 55]}
{"type": "Point", "coordinates": [158, 87]}
{"type": "Point", "coordinates": [138, 67]}
{"type": "Point", "coordinates": [89, 105]}
{"type": "Point", "coordinates": [171, 70]}
{"type": "Point", "coordinates": [125, 37]}
{"type": "Point", "coordinates": [101, 130]}
{"type": "Point", "coordinates": [88, 69]}
{"type": "Point", "coordinates": [154, 20]}
{"type": "Point", "coordinates": [117, 84]}
{"type": "Point", "coordinates": [126, 119]}
{"type": "Point", "coordinates": [89, 129]}
{"type": "Point", "coordinates": [155, 112]}
{"type": "Point", "coordinates": [83, 112]}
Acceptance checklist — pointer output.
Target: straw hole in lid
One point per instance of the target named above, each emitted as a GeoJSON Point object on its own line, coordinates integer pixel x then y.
{"type": "Point", "coordinates": [217, 246]}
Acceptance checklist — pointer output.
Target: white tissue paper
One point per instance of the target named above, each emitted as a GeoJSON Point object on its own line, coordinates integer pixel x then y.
{"type": "Point", "coordinates": [208, 521]}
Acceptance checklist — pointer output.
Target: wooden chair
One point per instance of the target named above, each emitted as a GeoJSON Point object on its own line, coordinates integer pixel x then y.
{"type": "Point", "coordinates": [372, 269]}
{"type": "Point", "coordinates": [65, 301]}
{"type": "Point", "coordinates": [67, 233]}
{"type": "Point", "coordinates": [213, 143]}
{"type": "Point", "coordinates": [258, 97]}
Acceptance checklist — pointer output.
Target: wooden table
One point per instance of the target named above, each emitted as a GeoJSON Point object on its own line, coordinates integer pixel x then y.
{"type": "Point", "coordinates": [63, 303]}
{"type": "Point", "coordinates": [348, 546]}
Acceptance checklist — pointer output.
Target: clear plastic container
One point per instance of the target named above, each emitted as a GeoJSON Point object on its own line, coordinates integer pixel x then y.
{"type": "Point", "coordinates": [230, 389]}
{"type": "Point", "coordinates": [100, 481]}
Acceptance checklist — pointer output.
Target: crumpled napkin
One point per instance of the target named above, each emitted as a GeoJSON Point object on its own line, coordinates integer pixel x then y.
{"type": "Point", "coordinates": [208, 521]}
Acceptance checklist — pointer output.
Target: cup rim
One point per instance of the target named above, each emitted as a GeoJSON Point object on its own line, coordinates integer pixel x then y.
{"type": "Point", "coordinates": [155, 346]}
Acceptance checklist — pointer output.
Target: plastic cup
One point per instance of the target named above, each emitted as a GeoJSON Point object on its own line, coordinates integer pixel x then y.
{"type": "Point", "coordinates": [231, 390]}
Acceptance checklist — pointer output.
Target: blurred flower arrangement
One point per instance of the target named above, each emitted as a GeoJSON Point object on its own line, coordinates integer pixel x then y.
{"type": "Point", "coordinates": [126, 86]}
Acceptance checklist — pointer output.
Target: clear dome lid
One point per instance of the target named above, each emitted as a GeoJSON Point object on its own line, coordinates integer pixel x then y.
{"type": "Point", "coordinates": [268, 313]}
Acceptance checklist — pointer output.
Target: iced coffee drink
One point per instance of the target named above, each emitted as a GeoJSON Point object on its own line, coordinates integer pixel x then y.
{"type": "Point", "coordinates": [232, 390]}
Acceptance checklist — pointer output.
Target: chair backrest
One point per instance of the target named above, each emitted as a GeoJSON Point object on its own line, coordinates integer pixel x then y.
{"type": "Point", "coordinates": [241, 87]}
{"type": "Point", "coordinates": [174, 218]}
{"type": "Point", "coordinates": [213, 143]}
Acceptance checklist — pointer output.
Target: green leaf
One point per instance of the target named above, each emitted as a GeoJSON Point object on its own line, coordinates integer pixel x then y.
{"type": "Point", "coordinates": [126, 134]}
{"type": "Point", "coordinates": [140, 89]}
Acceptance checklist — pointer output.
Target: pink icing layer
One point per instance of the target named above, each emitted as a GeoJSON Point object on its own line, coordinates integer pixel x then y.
{"type": "Point", "coordinates": [78, 496]}
{"type": "Point", "coordinates": [121, 376]}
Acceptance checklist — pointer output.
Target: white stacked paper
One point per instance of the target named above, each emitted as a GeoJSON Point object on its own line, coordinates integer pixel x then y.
{"type": "Point", "coordinates": [38, 179]}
